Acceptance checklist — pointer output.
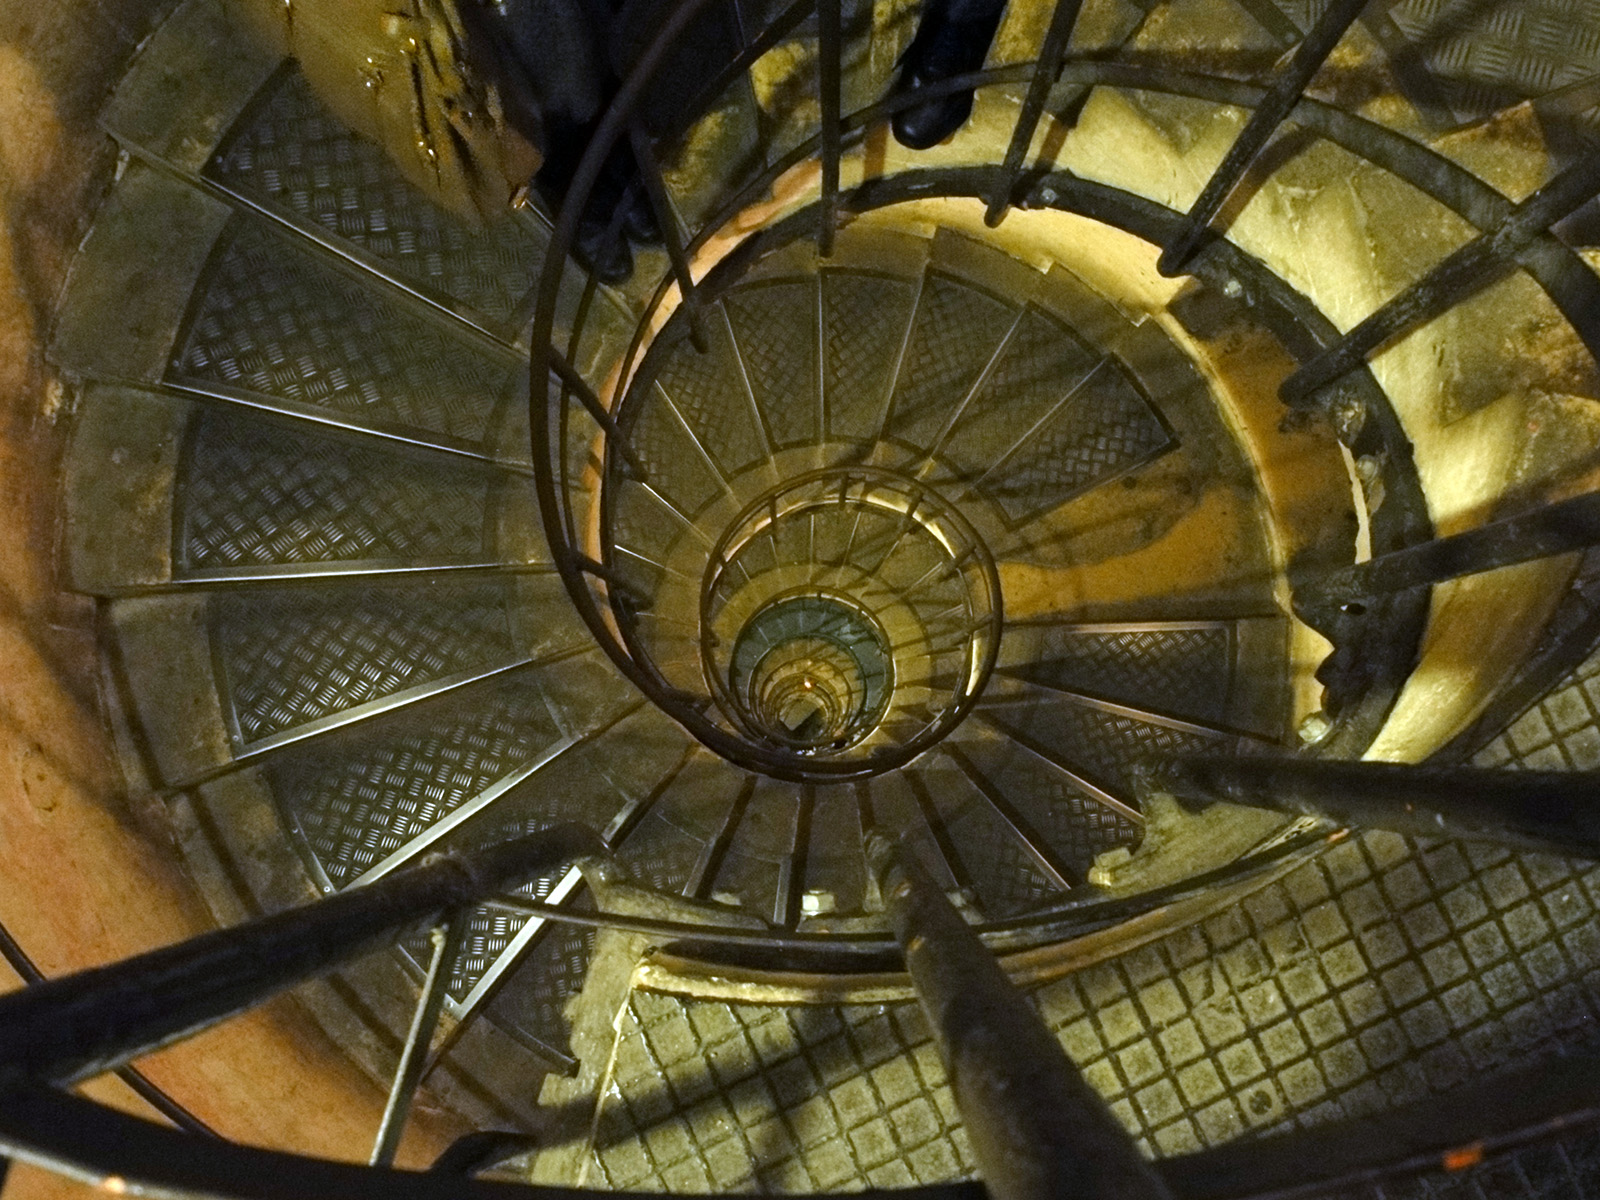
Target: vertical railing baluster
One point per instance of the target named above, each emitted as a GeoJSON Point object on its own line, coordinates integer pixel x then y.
{"type": "Point", "coordinates": [655, 187]}
{"type": "Point", "coordinates": [1038, 1130]}
{"type": "Point", "coordinates": [1051, 52]}
{"type": "Point", "coordinates": [1554, 529]}
{"type": "Point", "coordinates": [1275, 106]}
{"type": "Point", "coordinates": [1459, 276]}
{"type": "Point", "coordinates": [579, 388]}
{"type": "Point", "coordinates": [829, 48]}
{"type": "Point", "coordinates": [419, 1039]}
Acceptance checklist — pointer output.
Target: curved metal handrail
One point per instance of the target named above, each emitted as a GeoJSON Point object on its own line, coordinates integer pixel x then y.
{"type": "Point", "coordinates": [1448, 1133]}
{"type": "Point", "coordinates": [607, 619]}
{"type": "Point", "coordinates": [151, 1093]}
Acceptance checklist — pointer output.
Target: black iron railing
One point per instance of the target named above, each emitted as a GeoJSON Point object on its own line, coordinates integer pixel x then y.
{"type": "Point", "coordinates": [54, 1033]}
{"type": "Point", "coordinates": [1375, 649]}
{"type": "Point", "coordinates": [1034, 1123]}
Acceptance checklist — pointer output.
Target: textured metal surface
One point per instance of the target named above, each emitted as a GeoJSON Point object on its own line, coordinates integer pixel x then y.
{"type": "Point", "coordinates": [670, 843]}
{"type": "Point", "coordinates": [293, 659]}
{"type": "Point", "coordinates": [1182, 672]}
{"type": "Point", "coordinates": [488, 932]}
{"type": "Point", "coordinates": [1005, 879]}
{"type": "Point", "coordinates": [1042, 362]}
{"type": "Point", "coordinates": [253, 495]}
{"type": "Point", "coordinates": [709, 392]}
{"type": "Point", "coordinates": [1073, 823]}
{"type": "Point", "coordinates": [864, 324]}
{"type": "Point", "coordinates": [661, 855]}
{"type": "Point", "coordinates": [290, 154]}
{"type": "Point", "coordinates": [536, 1000]}
{"type": "Point", "coordinates": [1485, 57]}
{"type": "Point", "coordinates": [1387, 970]}
{"type": "Point", "coordinates": [273, 318]}
{"type": "Point", "coordinates": [1386, 967]}
{"type": "Point", "coordinates": [775, 327]}
{"type": "Point", "coordinates": [644, 524]}
{"type": "Point", "coordinates": [354, 804]}
{"type": "Point", "coordinates": [1102, 746]}
{"type": "Point", "coordinates": [956, 330]}
{"type": "Point", "coordinates": [678, 469]}
{"type": "Point", "coordinates": [1105, 427]}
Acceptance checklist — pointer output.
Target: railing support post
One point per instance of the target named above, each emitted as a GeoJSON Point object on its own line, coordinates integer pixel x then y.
{"type": "Point", "coordinates": [1045, 71]}
{"type": "Point", "coordinates": [1560, 528]}
{"type": "Point", "coordinates": [829, 48]}
{"type": "Point", "coordinates": [655, 186]}
{"type": "Point", "coordinates": [1459, 276]}
{"type": "Point", "coordinates": [78, 1026]}
{"type": "Point", "coordinates": [1038, 1130]}
{"type": "Point", "coordinates": [1275, 107]}
{"type": "Point", "coordinates": [1550, 811]}
{"type": "Point", "coordinates": [419, 1039]}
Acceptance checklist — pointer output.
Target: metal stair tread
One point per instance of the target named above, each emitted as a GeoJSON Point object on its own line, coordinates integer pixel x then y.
{"type": "Point", "coordinates": [336, 182]}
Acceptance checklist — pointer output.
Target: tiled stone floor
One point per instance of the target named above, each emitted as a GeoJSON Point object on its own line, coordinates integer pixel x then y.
{"type": "Point", "coordinates": [1385, 970]}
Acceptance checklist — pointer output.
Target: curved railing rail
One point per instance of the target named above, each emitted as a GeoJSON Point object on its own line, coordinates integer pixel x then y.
{"type": "Point", "coordinates": [55, 1032]}
{"type": "Point", "coordinates": [1362, 676]}
{"type": "Point", "coordinates": [594, 580]}
{"type": "Point", "coordinates": [1034, 1122]}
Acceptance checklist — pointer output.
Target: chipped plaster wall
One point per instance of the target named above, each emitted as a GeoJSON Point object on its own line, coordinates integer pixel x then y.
{"type": "Point", "coordinates": [88, 872]}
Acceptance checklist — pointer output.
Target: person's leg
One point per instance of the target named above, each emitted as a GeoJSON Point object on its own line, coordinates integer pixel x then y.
{"type": "Point", "coordinates": [601, 244]}
{"type": "Point", "coordinates": [556, 82]}
{"type": "Point", "coordinates": [953, 39]}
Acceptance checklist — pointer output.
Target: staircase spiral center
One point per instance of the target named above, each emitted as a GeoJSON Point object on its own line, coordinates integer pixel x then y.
{"type": "Point", "coordinates": [849, 612]}
{"type": "Point", "coordinates": [812, 673]}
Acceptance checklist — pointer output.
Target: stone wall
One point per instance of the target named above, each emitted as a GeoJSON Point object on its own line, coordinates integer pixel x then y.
{"type": "Point", "coordinates": [88, 870]}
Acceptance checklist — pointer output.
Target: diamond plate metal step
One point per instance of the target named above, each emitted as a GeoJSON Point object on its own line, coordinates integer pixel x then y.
{"type": "Point", "coordinates": [367, 720]}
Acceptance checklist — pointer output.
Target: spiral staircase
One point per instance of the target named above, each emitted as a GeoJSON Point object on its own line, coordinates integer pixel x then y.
{"type": "Point", "coordinates": [920, 525]}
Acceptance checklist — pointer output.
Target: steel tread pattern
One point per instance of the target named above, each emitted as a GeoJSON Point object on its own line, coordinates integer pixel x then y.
{"type": "Point", "coordinates": [487, 934]}
{"type": "Point", "coordinates": [677, 469]}
{"type": "Point", "coordinates": [1005, 879]}
{"type": "Point", "coordinates": [277, 321]}
{"type": "Point", "coordinates": [292, 659]}
{"type": "Point", "coordinates": [353, 804]}
{"type": "Point", "coordinates": [956, 330]}
{"type": "Point", "coordinates": [256, 495]}
{"type": "Point", "coordinates": [1040, 365]}
{"type": "Point", "coordinates": [709, 392]}
{"type": "Point", "coordinates": [661, 855]}
{"type": "Point", "coordinates": [1489, 57]}
{"type": "Point", "coordinates": [775, 329]}
{"type": "Point", "coordinates": [572, 788]}
{"type": "Point", "coordinates": [1101, 746]}
{"type": "Point", "coordinates": [1106, 428]}
{"type": "Point", "coordinates": [1176, 669]}
{"type": "Point", "coordinates": [865, 317]}
{"type": "Point", "coordinates": [292, 154]}
{"type": "Point", "coordinates": [1077, 826]}
{"type": "Point", "coordinates": [536, 996]}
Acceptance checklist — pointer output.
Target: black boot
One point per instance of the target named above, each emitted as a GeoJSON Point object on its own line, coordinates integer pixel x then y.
{"type": "Point", "coordinates": [601, 248]}
{"type": "Point", "coordinates": [953, 39]}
